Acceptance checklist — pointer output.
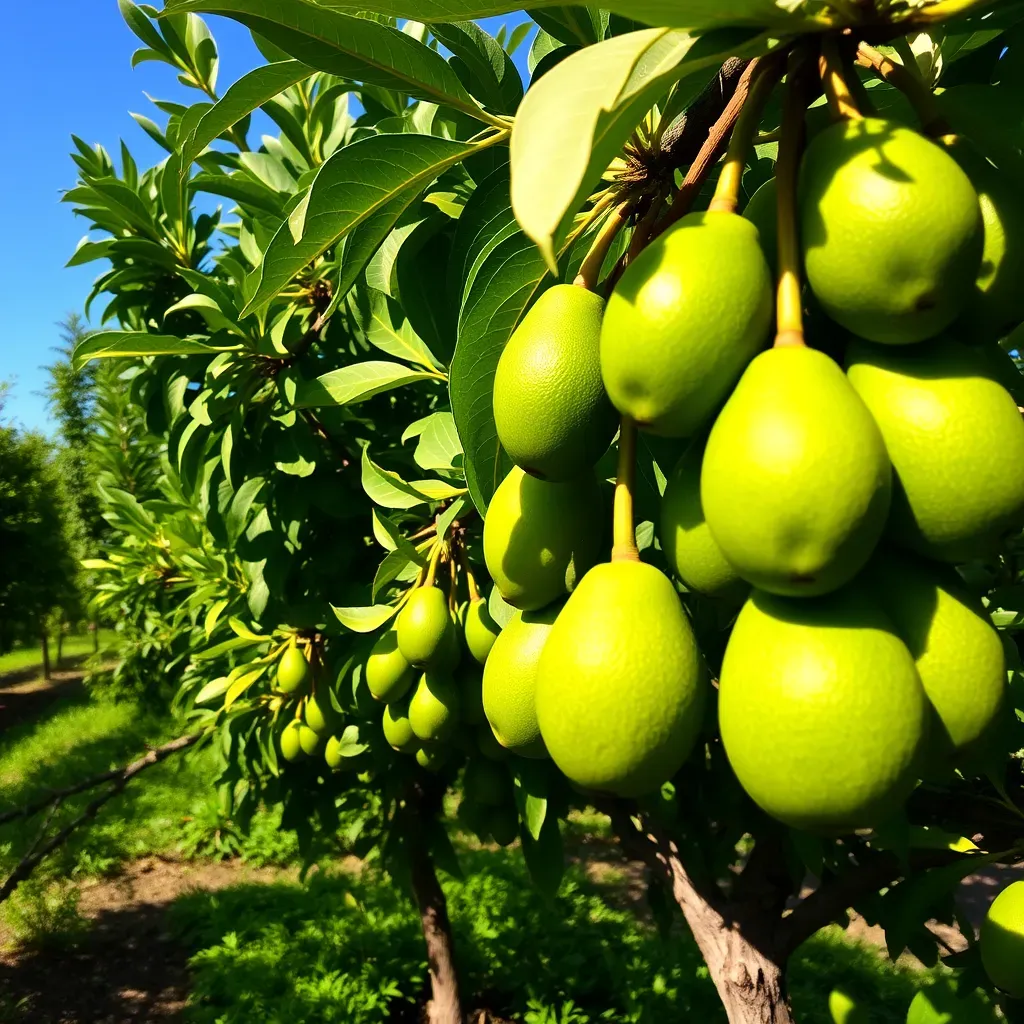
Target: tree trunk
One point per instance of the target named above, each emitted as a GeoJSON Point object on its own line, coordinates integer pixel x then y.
{"type": "Point", "coordinates": [94, 629]}
{"type": "Point", "coordinates": [60, 644]}
{"type": "Point", "coordinates": [46, 654]}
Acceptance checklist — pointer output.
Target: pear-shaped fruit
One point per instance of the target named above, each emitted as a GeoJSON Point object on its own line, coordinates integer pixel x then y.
{"type": "Point", "coordinates": [958, 653]}
{"type": "Point", "coordinates": [449, 654]}
{"type": "Point", "coordinates": [308, 739]}
{"type": "Point", "coordinates": [433, 756]}
{"type": "Point", "coordinates": [796, 481]}
{"type": "Point", "coordinates": [996, 305]}
{"type": "Point", "coordinates": [423, 625]}
{"type": "Point", "coordinates": [486, 782]}
{"type": "Point", "coordinates": [620, 685]}
{"type": "Point", "coordinates": [397, 727]}
{"type": "Point", "coordinates": [292, 670]}
{"type": "Point", "coordinates": [388, 675]}
{"type": "Point", "coordinates": [291, 747]}
{"type": "Point", "coordinates": [686, 537]}
{"type": "Point", "coordinates": [470, 678]}
{"type": "Point", "coordinates": [320, 715]}
{"type": "Point", "coordinates": [480, 630]}
{"type": "Point", "coordinates": [891, 230]}
{"type": "Point", "coordinates": [550, 409]}
{"type": "Point", "coordinates": [821, 711]}
{"type": "Point", "coordinates": [844, 1009]}
{"type": "Point", "coordinates": [332, 754]}
{"type": "Point", "coordinates": [956, 440]}
{"type": "Point", "coordinates": [685, 319]}
{"type": "Point", "coordinates": [540, 538]}
{"type": "Point", "coordinates": [1002, 941]}
{"type": "Point", "coordinates": [510, 681]}
{"type": "Point", "coordinates": [942, 1003]}
{"type": "Point", "coordinates": [434, 707]}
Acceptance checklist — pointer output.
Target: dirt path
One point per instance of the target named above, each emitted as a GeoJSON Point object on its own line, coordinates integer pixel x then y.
{"type": "Point", "coordinates": [25, 695]}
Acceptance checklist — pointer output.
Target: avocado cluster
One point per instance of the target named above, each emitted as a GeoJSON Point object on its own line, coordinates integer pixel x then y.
{"type": "Point", "coordinates": [828, 491]}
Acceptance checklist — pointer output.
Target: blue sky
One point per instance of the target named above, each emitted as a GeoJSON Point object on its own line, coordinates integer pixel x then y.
{"type": "Point", "coordinates": [70, 73]}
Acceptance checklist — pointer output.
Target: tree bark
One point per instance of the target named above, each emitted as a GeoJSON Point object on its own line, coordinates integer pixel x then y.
{"type": "Point", "coordinates": [94, 629]}
{"type": "Point", "coordinates": [44, 638]}
{"type": "Point", "coordinates": [446, 1003]}
{"type": "Point", "coordinates": [60, 644]}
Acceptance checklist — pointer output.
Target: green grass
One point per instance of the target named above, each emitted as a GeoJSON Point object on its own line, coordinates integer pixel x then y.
{"type": "Point", "coordinates": [22, 658]}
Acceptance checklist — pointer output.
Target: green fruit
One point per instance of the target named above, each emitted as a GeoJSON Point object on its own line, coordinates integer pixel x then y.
{"type": "Point", "coordinates": [941, 1004]}
{"type": "Point", "coordinates": [796, 481]}
{"type": "Point", "coordinates": [510, 682]}
{"type": "Point", "coordinates": [332, 754]}
{"type": "Point", "coordinates": [550, 409]}
{"type": "Point", "coordinates": [434, 707]}
{"type": "Point", "coordinates": [620, 685]}
{"type": "Point", "coordinates": [996, 305]}
{"type": "Point", "coordinates": [486, 782]}
{"type": "Point", "coordinates": [488, 745]}
{"type": "Point", "coordinates": [1002, 941]}
{"type": "Point", "coordinates": [540, 538]}
{"type": "Point", "coordinates": [432, 757]}
{"type": "Point", "coordinates": [397, 727]}
{"type": "Point", "coordinates": [388, 675]}
{"type": "Point", "coordinates": [821, 711]}
{"type": "Point", "coordinates": [685, 319]}
{"type": "Point", "coordinates": [956, 440]}
{"type": "Point", "coordinates": [292, 670]}
{"type": "Point", "coordinates": [423, 625]}
{"type": "Point", "coordinates": [471, 685]}
{"type": "Point", "coordinates": [320, 715]}
{"type": "Point", "coordinates": [308, 740]}
{"type": "Point", "coordinates": [503, 825]}
{"type": "Point", "coordinates": [845, 1009]}
{"type": "Point", "coordinates": [958, 653]}
{"type": "Point", "coordinates": [480, 630]}
{"type": "Point", "coordinates": [686, 537]}
{"type": "Point", "coordinates": [891, 230]}
{"type": "Point", "coordinates": [449, 654]}
{"type": "Point", "coordinates": [291, 747]}
{"type": "Point", "coordinates": [762, 211]}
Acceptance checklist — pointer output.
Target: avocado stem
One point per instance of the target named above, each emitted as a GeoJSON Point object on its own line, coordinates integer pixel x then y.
{"type": "Point", "coordinates": [623, 531]}
{"type": "Point", "coordinates": [474, 590]}
{"type": "Point", "coordinates": [435, 561]}
{"type": "Point", "coordinates": [727, 192]}
{"type": "Point", "coordinates": [590, 270]}
{"type": "Point", "coordinates": [921, 98]}
{"type": "Point", "coordinates": [841, 103]}
{"type": "Point", "coordinates": [789, 305]}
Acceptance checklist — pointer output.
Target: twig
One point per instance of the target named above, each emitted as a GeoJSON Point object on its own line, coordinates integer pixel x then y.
{"type": "Point", "coordinates": [921, 98]}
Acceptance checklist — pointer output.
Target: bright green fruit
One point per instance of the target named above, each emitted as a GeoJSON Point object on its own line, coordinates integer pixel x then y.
{"type": "Point", "coordinates": [332, 754]}
{"type": "Point", "coordinates": [996, 305]}
{"type": "Point", "coordinates": [292, 671]}
{"type": "Point", "coordinates": [796, 481]}
{"type": "Point", "coordinates": [488, 745]}
{"type": "Point", "coordinates": [291, 748]}
{"type": "Point", "coordinates": [397, 727]}
{"type": "Point", "coordinates": [388, 675]}
{"type": "Point", "coordinates": [480, 630]}
{"type": "Point", "coordinates": [941, 1004]}
{"type": "Point", "coordinates": [1002, 941]}
{"type": "Point", "coordinates": [873, 187]}
{"type": "Point", "coordinates": [423, 625]}
{"type": "Point", "coordinates": [956, 440]}
{"type": "Point", "coordinates": [550, 409]}
{"type": "Point", "coordinates": [620, 685]}
{"type": "Point", "coordinates": [434, 707]}
{"type": "Point", "coordinates": [432, 757]}
{"type": "Point", "coordinates": [821, 711]}
{"type": "Point", "coordinates": [320, 715]}
{"type": "Point", "coordinates": [685, 319]}
{"type": "Point", "coordinates": [471, 685]}
{"type": "Point", "coordinates": [845, 1009]}
{"type": "Point", "coordinates": [686, 537]}
{"type": "Point", "coordinates": [308, 739]}
{"type": "Point", "coordinates": [503, 824]}
{"type": "Point", "coordinates": [959, 655]}
{"type": "Point", "coordinates": [510, 682]}
{"type": "Point", "coordinates": [540, 538]}
{"type": "Point", "coordinates": [762, 211]}
{"type": "Point", "coordinates": [486, 782]}
{"type": "Point", "coordinates": [449, 654]}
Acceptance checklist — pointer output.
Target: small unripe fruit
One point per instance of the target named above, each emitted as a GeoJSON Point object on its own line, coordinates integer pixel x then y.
{"type": "Point", "coordinates": [388, 675]}
{"type": "Point", "coordinates": [481, 630]}
{"type": "Point", "coordinates": [292, 671]}
{"type": "Point", "coordinates": [291, 747]}
{"type": "Point", "coordinates": [423, 625]}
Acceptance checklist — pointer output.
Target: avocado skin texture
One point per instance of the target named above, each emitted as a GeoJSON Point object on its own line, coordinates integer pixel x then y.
{"type": "Point", "coordinates": [996, 304]}
{"type": "Point", "coordinates": [685, 319]}
{"type": "Point", "coordinates": [540, 538]}
{"type": "Point", "coordinates": [956, 440]}
{"type": "Point", "coordinates": [434, 707]}
{"type": "Point", "coordinates": [1002, 941]}
{"type": "Point", "coordinates": [480, 630]}
{"type": "Point", "coordinates": [762, 211]}
{"type": "Point", "coordinates": [550, 408]}
{"type": "Point", "coordinates": [891, 230]}
{"type": "Point", "coordinates": [821, 710]}
{"type": "Point", "coordinates": [388, 675]}
{"type": "Point", "coordinates": [621, 687]}
{"type": "Point", "coordinates": [957, 651]}
{"type": "Point", "coordinates": [423, 626]}
{"type": "Point", "coordinates": [686, 539]}
{"type": "Point", "coordinates": [397, 727]}
{"type": "Point", "coordinates": [795, 482]}
{"type": "Point", "coordinates": [292, 671]}
{"type": "Point", "coordinates": [291, 747]}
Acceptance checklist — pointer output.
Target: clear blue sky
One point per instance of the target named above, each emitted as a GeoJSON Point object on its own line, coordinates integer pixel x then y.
{"type": "Point", "coordinates": [69, 71]}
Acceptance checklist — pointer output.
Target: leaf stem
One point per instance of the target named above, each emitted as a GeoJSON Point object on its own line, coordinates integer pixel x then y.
{"type": "Point", "coordinates": [727, 192]}
{"type": "Point", "coordinates": [623, 531]}
{"type": "Point", "coordinates": [435, 561]}
{"type": "Point", "coordinates": [590, 271]}
{"type": "Point", "coordinates": [921, 98]}
{"type": "Point", "coordinates": [841, 103]}
{"type": "Point", "coordinates": [474, 590]}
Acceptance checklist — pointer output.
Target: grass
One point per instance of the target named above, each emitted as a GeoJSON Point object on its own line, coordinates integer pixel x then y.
{"type": "Point", "coordinates": [75, 647]}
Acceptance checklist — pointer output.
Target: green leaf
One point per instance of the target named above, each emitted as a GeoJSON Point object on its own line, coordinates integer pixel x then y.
{"type": "Point", "coordinates": [439, 446]}
{"type": "Point", "coordinates": [577, 118]}
{"type": "Point", "coordinates": [352, 186]}
{"type": "Point", "coordinates": [482, 65]}
{"type": "Point", "coordinates": [113, 344]}
{"type": "Point", "coordinates": [238, 512]}
{"type": "Point", "coordinates": [213, 689]}
{"type": "Point", "coordinates": [355, 49]}
{"type": "Point", "coordinates": [396, 565]}
{"type": "Point", "coordinates": [364, 620]}
{"type": "Point", "coordinates": [222, 648]}
{"type": "Point", "coordinates": [387, 488]}
{"type": "Point", "coordinates": [388, 329]}
{"type": "Point", "coordinates": [545, 857]}
{"type": "Point", "coordinates": [450, 514]}
{"type": "Point", "coordinates": [357, 383]}
{"type": "Point", "coordinates": [246, 95]}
